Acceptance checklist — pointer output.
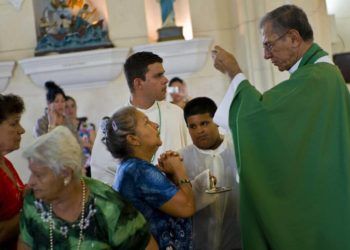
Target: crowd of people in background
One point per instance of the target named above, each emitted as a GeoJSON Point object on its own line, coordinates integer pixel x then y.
{"type": "Point", "coordinates": [261, 171]}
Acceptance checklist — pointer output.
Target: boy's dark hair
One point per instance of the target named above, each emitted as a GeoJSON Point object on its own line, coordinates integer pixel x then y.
{"type": "Point", "coordinates": [199, 106]}
{"type": "Point", "coordinates": [136, 66]}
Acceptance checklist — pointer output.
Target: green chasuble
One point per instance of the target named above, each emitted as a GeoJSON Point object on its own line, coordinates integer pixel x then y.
{"type": "Point", "coordinates": [293, 153]}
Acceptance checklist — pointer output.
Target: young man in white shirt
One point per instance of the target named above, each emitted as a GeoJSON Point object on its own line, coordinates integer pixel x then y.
{"type": "Point", "coordinates": [148, 85]}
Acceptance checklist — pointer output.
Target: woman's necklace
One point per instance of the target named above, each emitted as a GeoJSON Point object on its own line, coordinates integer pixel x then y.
{"type": "Point", "coordinates": [81, 224]}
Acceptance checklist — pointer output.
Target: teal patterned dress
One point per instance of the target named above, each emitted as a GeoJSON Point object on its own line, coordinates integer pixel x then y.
{"type": "Point", "coordinates": [110, 223]}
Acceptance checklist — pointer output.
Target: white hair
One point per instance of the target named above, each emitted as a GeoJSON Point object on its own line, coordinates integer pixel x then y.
{"type": "Point", "coordinates": [57, 149]}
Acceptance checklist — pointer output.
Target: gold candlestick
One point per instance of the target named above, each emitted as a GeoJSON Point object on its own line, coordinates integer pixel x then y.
{"type": "Point", "coordinates": [213, 189]}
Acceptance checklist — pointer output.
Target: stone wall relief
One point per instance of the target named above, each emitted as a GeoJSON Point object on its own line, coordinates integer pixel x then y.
{"type": "Point", "coordinates": [68, 26]}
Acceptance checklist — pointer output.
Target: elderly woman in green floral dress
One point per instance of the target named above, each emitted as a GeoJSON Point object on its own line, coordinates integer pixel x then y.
{"type": "Point", "coordinates": [65, 211]}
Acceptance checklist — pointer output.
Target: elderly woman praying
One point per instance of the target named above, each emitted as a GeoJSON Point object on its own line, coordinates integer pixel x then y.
{"type": "Point", "coordinates": [164, 195]}
{"type": "Point", "coordinates": [65, 211]}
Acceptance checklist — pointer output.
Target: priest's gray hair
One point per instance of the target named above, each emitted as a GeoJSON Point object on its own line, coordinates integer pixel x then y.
{"type": "Point", "coordinates": [57, 150]}
{"type": "Point", "coordinates": [288, 17]}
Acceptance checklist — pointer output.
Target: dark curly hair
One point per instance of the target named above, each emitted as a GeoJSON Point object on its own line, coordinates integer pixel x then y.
{"type": "Point", "coordinates": [9, 105]}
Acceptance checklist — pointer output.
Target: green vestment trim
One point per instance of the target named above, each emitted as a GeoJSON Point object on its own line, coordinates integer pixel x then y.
{"type": "Point", "coordinates": [292, 147]}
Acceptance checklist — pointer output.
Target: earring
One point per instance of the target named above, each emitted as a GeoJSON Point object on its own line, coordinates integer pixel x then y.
{"type": "Point", "coordinates": [65, 181]}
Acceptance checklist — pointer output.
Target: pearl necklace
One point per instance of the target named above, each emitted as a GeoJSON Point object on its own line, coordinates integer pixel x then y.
{"type": "Point", "coordinates": [81, 223]}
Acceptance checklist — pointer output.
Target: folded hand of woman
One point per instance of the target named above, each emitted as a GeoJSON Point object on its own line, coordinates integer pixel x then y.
{"type": "Point", "coordinates": [170, 163]}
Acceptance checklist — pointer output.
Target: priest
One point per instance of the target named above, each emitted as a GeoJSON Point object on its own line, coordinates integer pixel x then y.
{"type": "Point", "coordinates": [292, 142]}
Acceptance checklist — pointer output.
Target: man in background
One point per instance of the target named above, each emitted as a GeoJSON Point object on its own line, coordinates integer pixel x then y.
{"type": "Point", "coordinates": [178, 92]}
{"type": "Point", "coordinates": [148, 87]}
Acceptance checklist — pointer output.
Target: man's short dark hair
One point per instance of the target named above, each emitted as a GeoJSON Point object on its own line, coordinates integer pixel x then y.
{"type": "Point", "coordinates": [136, 66]}
{"type": "Point", "coordinates": [10, 105]}
{"type": "Point", "coordinates": [199, 106]}
{"type": "Point", "coordinates": [176, 79]}
{"type": "Point", "coordinates": [289, 17]}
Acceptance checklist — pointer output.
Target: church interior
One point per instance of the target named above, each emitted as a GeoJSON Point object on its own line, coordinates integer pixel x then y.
{"type": "Point", "coordinates": [95, 77]}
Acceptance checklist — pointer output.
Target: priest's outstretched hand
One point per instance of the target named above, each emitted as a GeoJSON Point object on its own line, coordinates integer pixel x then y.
{"type": "Point", "coordinates": [225, 62]}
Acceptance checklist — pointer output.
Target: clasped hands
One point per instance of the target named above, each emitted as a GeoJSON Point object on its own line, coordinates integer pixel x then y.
{"type": "Point", "coordinates": [169, 161]}
{"type": "Point", "coordinates": [171, 164]}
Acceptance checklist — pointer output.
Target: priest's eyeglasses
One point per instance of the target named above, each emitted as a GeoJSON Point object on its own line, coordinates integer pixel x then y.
{"type": "Point", "coordinates": [268, 46]}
